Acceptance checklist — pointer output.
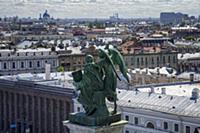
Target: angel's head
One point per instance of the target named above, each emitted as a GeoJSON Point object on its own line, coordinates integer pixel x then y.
{"type": "Point", "coordinates": [89, 59]}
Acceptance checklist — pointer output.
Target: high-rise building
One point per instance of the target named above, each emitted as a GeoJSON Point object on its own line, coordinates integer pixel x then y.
{"type": "Point", "coordinates": [172, 18]}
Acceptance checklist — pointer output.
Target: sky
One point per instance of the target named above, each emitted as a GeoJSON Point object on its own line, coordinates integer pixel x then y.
{"type": "Point", "coordinates": [97, 8]}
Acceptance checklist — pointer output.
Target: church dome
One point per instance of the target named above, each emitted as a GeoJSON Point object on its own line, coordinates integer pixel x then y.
{"type": "Point", "coordinates": [46, 15]}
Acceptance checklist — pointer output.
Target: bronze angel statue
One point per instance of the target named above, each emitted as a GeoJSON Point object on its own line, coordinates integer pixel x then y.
{"type": "Point", "coordinates": [97, 82]}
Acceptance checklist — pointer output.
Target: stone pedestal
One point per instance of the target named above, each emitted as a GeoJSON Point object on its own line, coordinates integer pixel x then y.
{"type": "Point", "coordinates": [113, 128]}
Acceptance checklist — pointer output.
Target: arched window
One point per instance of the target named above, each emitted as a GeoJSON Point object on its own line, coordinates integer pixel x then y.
{"type": "Point", "coordinates": [150, 125]}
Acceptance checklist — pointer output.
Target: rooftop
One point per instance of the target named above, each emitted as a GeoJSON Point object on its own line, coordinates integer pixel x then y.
{"type": "Point", "coordinates": [189, 56]}
{"type": "Point", "coordinates": [182, 90]}
{"type": "Point", "coordinates": [175, 105]}
{"type": "Point", "coordinates": [58, 79]}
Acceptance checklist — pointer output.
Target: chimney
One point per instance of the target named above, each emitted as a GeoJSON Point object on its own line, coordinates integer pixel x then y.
{"type": "Point", "coordinates": [163, 91]}
{"type": "Point", "coordinates": [191, 77]}
{"type": "Point", "coordinates": [152, 89]}
{"type": "Point", "coordinates": [143, 78]}
{"type": "Point", "coordinates": [195, 94]}
{"type": "Point", "coordinates": [47, 71]}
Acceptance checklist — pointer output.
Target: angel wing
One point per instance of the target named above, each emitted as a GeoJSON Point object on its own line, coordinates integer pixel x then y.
{"type": "Point", "coordinates": [117, 59]}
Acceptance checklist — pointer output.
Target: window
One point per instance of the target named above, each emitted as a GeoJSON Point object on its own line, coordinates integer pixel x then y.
{"type": "Point", "coordinates": [150, 125]}
{"type": "Point", "coordinates": [152, 61]}
{"type": "Point", "coordinates": [165, 125]}
{"type": "Point", "coordinates": [169, 59]}
{"type": "Point", "coordinates": [22, 64]}
{"type": "Point", "coordinates": [4, 66]}
{"type": "Point", "coordinates": [38, 63]}
{"type": "Point", "coordinates": [142, 61]}
{"type": "Point", "coordinates": [127, 118]}
{"type": "Point", "coordinates": [187, 129]}
{"type": "Point", "coordinates": [136, 120]}
{"type": "Point", "coordinates": [163, 59]}
{"type": "Point", "coordinates": [138, 62]}
{"type": "Point", "coordinates": [158, 61]}
{"type": "Point", "coordinates": [30, 64]}
{"type": "Point", "coordinates": [13, 65]}
{"type": "Point", "coordinates": [126, 131]}
{"type": "Point", "coordinates": [78, 109]}
{"type": "Point", "coordinates": [176, 127]}
{"type": "Point", "coordinates": [174, 59]}
{"type": "Point", "coordinates": [146, 61]}
{"type": "Point", "coordinates": [54, 63]}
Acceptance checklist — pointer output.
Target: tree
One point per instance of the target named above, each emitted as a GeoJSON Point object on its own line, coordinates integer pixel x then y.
{"type": "Point", "coordinates": [60, 69]}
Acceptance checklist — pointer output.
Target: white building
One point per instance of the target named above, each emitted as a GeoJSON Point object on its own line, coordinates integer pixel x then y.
{"type": "Point", "coordinates": [189, 62]}
{"type": "Point", "coordinates": [27, 60]}
{"type": "Point", "coordinates": [169, 109]}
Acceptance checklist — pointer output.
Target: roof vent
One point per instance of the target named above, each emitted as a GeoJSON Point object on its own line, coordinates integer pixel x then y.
{"type": "Point", "coordinates": [163, 91]}
{"type": "Point", "coordinates": [152, 89]}
{"type": "Point", "coordinates": [195, 94]}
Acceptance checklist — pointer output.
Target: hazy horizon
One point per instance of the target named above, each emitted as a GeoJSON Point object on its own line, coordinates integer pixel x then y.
{"type": "Point", "coordinates": [97, 8]}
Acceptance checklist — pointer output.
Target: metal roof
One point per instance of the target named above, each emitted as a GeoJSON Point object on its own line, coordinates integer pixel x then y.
{"type": "Point", "coordinates": [177, 105]}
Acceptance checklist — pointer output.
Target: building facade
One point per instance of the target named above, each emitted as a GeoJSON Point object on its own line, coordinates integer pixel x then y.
{"type": "Point", "coordinates": [27, 61]}
{"type": "Point", "coordinates": [161, 109]}
{"type": "Point", "coordinates": [33, 106]}
{"type": "Point", "coordinates": [151, 60]}
{"type": "Point", "coordinates": [72, 62]}
{"type": "Point", "coordinates": [189, 62]}
{"type": "Point", "coordinates": [172, 18]}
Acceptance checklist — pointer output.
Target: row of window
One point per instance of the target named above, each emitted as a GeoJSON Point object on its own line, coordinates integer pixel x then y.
{"type": "Point", "coordinates": [145, 61]}
{"type": "Point", "coordinates": [151, 125]}
{"type": "Point", "coordinates": [26, 54]}
{"type": "Point", "coordinates": [23, 65]}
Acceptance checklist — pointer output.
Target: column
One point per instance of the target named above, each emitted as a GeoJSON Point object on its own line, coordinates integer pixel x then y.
{"type": "Point", "coordinates": [33, 114]}
{"type": "Point", "coordinates": [39, 114]}
{"type": "Point", "coordinates": [65, 111]}
{"type": "Point", "coordinates": [5, 111]}
{"type": "Point", "coordinates": [1, 109]}
{"type": "Point", "coordinates": [10, 109]}
{"type": "Point", "coordinates": [58, 121]}
{"type": "Point", "coordinates": [45, 115]}
{"type": "Point", "coordinates": [26, 108]}
{"type": "Point", "coordinates": [51, 110]}
{"type": "Point", "coordinates": [15, 108]}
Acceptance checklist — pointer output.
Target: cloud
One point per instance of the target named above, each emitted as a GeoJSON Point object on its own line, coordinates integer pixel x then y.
{"type": "Point", "coordinates": [97, 8]}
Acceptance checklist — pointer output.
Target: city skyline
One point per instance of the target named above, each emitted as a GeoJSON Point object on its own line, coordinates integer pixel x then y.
{"type": "Point", "coordinates": [97, 8]}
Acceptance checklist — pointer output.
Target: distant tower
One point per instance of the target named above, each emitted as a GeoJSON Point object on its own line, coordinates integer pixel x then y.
{"type": "Point", "coordinates": [46, 16]}
{"type": "Point", "coordinates": [40, 18]}
{"type": "Point", "coordinates": [116, 15]}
